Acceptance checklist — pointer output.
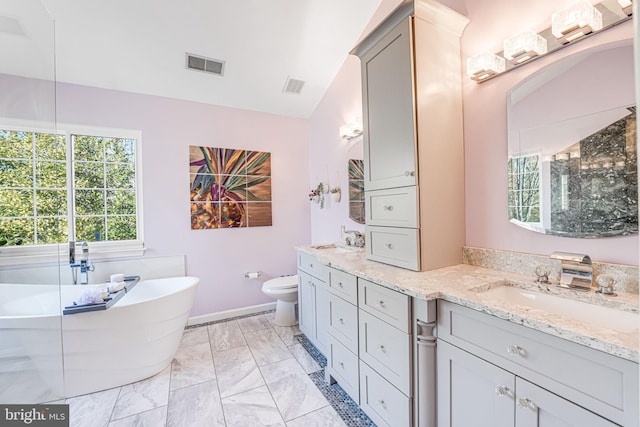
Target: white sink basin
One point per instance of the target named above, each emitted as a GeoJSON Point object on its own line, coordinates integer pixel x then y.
{"type": "Point", "coordinates": [592, 314]}
{"type": "Point", "coordinates": [337, 248]}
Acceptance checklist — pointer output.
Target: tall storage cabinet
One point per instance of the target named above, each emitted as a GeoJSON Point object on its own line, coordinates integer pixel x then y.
{"type": "Point", "coordinates": [412, 116]}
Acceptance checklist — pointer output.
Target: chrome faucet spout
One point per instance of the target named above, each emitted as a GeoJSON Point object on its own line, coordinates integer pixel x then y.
{"type": "Point", "coordinates": [577, 270]}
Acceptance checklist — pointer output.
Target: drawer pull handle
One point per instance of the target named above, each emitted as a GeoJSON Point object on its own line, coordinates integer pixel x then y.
{"type": "Point", "coordinates": [388, 245]}
{"type": "Point", "coordinates": [515, 350]}
{"type": "Point", "coordinates": [409, 173]}
{"type": "Point", "coordinates": [503, 391]}
{"type": "Point", "coordinates": [382, 404]}
{"type": "Point", "coordinates": [388, 208]}
{"type": "Point", "coordinates": [525, 403]}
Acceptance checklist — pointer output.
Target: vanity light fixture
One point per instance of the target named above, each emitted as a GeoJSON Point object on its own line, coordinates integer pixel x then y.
{"type": "Point", "coordinates": [484, 65]}
{"type": "Point", "coordinates": [524, 46]}
{"type": "Point", "coordinates": [627, 6]}
{"type": "Point", "coordinates": [351, 130]}
{"type": "Point", "coordinates": [575, 21]}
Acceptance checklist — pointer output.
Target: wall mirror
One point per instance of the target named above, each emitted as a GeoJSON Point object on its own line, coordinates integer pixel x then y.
{"type": "Point", "coordinates": [572, 153]}
{"type": "Point", "coordinates": [356, 190]}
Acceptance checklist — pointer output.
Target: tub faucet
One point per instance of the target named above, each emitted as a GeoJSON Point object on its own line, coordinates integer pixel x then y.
{"type": "Point", "coordinates": [577, 271]}
{"type": "Point", "coordinates": [84, 265]}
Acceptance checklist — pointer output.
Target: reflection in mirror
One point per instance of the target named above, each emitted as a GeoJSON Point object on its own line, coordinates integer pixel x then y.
{"type": "Point", "coordinates": [356, 190]}
{"type": "Point", "coordinates": [572, 165]}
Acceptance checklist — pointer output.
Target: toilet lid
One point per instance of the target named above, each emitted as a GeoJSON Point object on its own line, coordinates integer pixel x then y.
{"type": "Point", "coordinates": [282, 282]}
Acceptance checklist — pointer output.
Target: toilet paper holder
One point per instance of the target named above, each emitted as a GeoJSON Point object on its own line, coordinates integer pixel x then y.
{"type": "Point", "coordinates": [253, 275]}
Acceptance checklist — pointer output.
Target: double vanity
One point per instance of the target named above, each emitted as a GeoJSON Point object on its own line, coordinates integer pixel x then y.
{"type": "Point", "coordinates": [469, 346]}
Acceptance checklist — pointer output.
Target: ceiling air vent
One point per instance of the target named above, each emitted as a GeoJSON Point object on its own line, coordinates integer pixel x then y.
{"type": "Point", "coordinates": [208, 65]}
{"type": "Point", "coordinates": [293, 86]}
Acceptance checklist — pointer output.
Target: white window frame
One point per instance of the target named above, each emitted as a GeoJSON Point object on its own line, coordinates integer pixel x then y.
{"type": "Point", "coordinates": [34, 254]}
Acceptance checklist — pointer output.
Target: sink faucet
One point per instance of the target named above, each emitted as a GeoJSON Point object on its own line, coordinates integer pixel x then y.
{"type": "Point", "coordinates": [84, 265]}
{"type": "Point", "coordinates": [577, 270]}
{"type": "Point", "coordinates": [352, 237]}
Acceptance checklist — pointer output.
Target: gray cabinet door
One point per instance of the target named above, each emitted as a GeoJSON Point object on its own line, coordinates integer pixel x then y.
{"type": "Point", "coordinates": [472, 392]}
{"type": "Point", "coordinates": [306, 305]}
{"type": "Point", "coordinates": [322, 315]}
{"type": "Point", "coordinates": [389, 111]}
{"type": "Point", "coordinates": [536, 407]}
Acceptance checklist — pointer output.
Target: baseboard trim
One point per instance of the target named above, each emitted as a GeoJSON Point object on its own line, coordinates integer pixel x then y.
{"type": "Point", "coordinates": [228, 314]}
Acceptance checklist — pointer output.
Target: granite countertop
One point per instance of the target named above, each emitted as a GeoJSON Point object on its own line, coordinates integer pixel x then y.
{"type": "Point", "coordinates": [463, 284]}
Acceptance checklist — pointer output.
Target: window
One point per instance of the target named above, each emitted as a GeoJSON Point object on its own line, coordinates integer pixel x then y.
{"type": "Point", "coordinates": [524, 188]}
{"type": "Point", "coordinates": [70, 185]}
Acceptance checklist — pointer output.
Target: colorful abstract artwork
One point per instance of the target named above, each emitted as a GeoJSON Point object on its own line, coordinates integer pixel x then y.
{"type": "Point", "coordinates": [229, 188]}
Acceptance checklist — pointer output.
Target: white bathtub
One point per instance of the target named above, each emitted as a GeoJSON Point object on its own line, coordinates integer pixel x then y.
{"type": "Point", "coordinates": [134, 339]}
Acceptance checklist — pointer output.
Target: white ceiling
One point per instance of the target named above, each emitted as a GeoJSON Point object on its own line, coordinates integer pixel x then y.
{"type": "Point", "coordinates": [139, 46]}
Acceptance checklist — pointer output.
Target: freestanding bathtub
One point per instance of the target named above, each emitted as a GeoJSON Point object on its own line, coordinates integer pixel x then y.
{"type": "Point", "coordinates": [134, 339]}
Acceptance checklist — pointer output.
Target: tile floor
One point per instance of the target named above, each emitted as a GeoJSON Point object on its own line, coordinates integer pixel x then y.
{"type": "Point", "coordinates": [243, 372]}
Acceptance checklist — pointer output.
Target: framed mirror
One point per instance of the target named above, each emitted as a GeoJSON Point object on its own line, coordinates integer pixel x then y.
{"type": "Point", "coordinates": [356, 190]}
{"type": "Point", "coordinates": [572, 152]}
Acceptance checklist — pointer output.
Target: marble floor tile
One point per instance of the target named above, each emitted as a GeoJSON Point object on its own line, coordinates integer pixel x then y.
{"type": "Point", "coordinates": [154, 418]}
{"type": "Point", "coordinates": [195, 406]}
{"type": "Point", "coordinates": [195, 336]}
{"type": "Point", "coordinates": [305, 360]}
{"type": "Point", "coordinates": [287, 333]}
{"type": "Point", "coordinates": [293, 391]}
{"type": "Point", "coordinates": [267, 347]}
{"type": "Point", "coordinates": [225, 336]}
{"type": "Point", "coordinates": [254, 323]}
{"type": "Point", "coordinates": [325, 417]}
{"type": "Point", "coordinates": [252, 408]}
{"type": "Point", "coordinates": [236, 371]}
{"type": "Point", "coordinates": [143, 395]}
{"type": "Point", "coordinates": [92, 410]}
{"type": "Point", "coordinates": [192, 365]}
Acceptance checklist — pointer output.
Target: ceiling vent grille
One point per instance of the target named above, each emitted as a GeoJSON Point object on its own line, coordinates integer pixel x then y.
{"type": "Point", "coordinates": [207, 65]}
{"type": "Point", "coordinates": [293, 86]}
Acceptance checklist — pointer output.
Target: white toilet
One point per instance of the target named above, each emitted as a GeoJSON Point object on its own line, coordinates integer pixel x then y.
{"type": "Point", "coordinates": [285, 291]}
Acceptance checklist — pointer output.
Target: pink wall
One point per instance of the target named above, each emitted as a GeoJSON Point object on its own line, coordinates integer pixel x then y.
{"type": "Point", "coordinates": [485, 130]}
{"type": "Point", "coordinates": [219, 257]}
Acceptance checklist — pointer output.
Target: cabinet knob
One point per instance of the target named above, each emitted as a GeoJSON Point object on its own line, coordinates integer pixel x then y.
{"type": "Point", "coordinates": [503, 391]}
{"type": "Point", "coordinates": [340, 284]}
{"type": "Point", "coordinates": [515, 350]}
{"type": "Point", "coordinates": [381, 303]}
{"type": "Point", "coordinates": [409, 173]}
{"type": "Point", "coordinates": [387, 207]}
{"type": "Point", "coordinates": [341, 364]}
{"type": "Point", "coordinates": [382, 403]}
{"type": "Point", "coordinates": [525, 403]}
{"type": "Point", "coordinates": [382, 349]}
{"type": "Point", "coordinates": [388, 245]}
{"type": "Point", "coordinates": [341, 320]}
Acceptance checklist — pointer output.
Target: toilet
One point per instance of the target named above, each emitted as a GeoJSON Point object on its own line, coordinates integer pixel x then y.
{"type": "Point", "coordinates": [285, 291]}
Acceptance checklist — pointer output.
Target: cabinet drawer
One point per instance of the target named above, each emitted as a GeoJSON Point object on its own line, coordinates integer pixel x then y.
{"type": "Point", "coordinates": [395, 246]}
{"type": "Point", "coordinates": [386, 304]}
{"type": "Point", "coordinates": [311, 265]}
{"type": "Point", "coordinates": [396, 207]}
{"type": "Point", "coordinates": [343, 367]}
{"type": "Point", "coordinates": [344, 285]}
{"type": "Point", "coordinates": [602, 383]}
{"type": "Point", "coordinates": [385, 404]}
{"type": "Point", "coordinates": [386, 349]}
{"type": "Point", "coordinates": [343, 322]}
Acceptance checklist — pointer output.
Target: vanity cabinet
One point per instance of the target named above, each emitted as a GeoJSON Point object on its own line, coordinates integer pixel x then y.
{"type": "Point", "coordinates": [313, 305]}
{"type": "Point", "coordinates": [413, 142]}
{"type": "Point", "coordinates": [370, 347]}
{"type": "Point", "coordinates": [492, 372]}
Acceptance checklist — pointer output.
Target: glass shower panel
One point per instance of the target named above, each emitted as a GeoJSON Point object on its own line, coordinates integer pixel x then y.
{"type": "Point", "coordinates": [31, 363]}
